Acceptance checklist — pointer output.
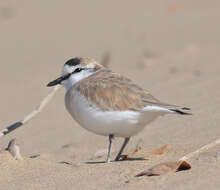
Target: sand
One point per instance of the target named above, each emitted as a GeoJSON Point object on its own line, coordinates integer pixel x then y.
{"type": "Point", "coordinates": [168, 47]}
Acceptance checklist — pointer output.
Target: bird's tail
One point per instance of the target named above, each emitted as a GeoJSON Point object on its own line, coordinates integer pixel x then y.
{"type": "Point", "coordinates": [172, 108]}
{"type": "Point", "coordinates": [182, 111]}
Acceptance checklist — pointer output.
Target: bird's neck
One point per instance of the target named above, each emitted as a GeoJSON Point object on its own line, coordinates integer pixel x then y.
{"type": "Point", "coordinates": [75, 78]}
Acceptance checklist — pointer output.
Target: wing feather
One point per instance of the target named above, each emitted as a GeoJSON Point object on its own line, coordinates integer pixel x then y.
{"type": "Point", "coordinates": [111, 91]}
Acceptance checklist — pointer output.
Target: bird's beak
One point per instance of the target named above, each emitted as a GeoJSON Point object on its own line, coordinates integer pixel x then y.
{"type": "Point", "coordinates": [58, 80]}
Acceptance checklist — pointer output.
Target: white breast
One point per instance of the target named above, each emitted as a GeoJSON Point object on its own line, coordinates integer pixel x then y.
{"type": "Point", "coordinates": [119, 123]}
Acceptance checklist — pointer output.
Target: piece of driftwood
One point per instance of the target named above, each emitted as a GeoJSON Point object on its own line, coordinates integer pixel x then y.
{"type": "Point", "coordinates": [37, 110]}
{"type": "Point", "coordinates": [159, 151]}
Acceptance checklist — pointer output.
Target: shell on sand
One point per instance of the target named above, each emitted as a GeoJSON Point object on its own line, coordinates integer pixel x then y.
{"type": "Point", "coordinates": [14, 149]}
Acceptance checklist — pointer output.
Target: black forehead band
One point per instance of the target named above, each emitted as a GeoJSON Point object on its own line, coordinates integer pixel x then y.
{"type": "Point", "coordinates": [73, 62]}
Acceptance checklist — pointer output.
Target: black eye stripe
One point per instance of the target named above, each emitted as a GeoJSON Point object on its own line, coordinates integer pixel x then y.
{"type": "Point", "coordinates": [77, 70]}
{"type": "Point", "coordinates": [73, 62]}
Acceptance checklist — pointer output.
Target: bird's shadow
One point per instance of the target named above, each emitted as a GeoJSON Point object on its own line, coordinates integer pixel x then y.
{"type": "Point", "coordinates": [122, 160]}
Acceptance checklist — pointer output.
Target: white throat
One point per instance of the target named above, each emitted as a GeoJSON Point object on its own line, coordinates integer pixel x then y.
{"type": "Point", "coordinates": [74, 78]}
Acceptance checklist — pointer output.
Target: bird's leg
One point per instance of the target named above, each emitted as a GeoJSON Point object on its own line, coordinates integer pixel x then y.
{"type": "Point", "coordinates": [122, 148]}
{"type": "Point", "coordinates": [111, 138]}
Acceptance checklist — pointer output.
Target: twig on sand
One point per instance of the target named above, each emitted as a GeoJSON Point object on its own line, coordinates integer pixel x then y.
{"type": "Point", "coordinates": [200, 150]}
{"type": "Point", "coordinates": [37, 110]}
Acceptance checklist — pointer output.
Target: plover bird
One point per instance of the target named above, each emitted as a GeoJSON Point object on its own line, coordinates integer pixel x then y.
{"type": "Point", "coordinates": [107, 103]}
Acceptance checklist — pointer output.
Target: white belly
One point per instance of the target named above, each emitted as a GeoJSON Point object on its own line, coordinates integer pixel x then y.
{"type": "Point", "coordinates": [118, 123]}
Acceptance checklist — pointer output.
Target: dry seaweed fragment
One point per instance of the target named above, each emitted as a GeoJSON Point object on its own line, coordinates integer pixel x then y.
{"type": "Point", "coordinates": [132, 153]}
{"type": "Point", "coordinates": [138, 148]}
{"type": "Point", "coordinates": [35, 156]}
{"type": "Point", "coordinates": [64, 162]}
{"type": "Point", "coordinates": [163, 168]}
{"type": "Point", "coordinates": [160, 150]}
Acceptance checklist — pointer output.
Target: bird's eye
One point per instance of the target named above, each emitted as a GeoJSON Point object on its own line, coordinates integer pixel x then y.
{"type": "Point", "coordinates": [77, 70]}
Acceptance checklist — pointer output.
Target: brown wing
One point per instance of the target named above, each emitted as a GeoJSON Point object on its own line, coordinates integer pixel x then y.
{"type": "Point", "coordinates": [111, 91]}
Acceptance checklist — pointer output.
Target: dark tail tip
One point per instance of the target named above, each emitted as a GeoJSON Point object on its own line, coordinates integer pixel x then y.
{"type": "Point", "coordinates": [181, 112]}
{"type": "Point", "coordinates": [185, 108]}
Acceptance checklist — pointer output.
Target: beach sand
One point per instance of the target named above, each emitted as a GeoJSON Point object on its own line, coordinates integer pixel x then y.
{"type": "Point", "coordinates": [170, 48]}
